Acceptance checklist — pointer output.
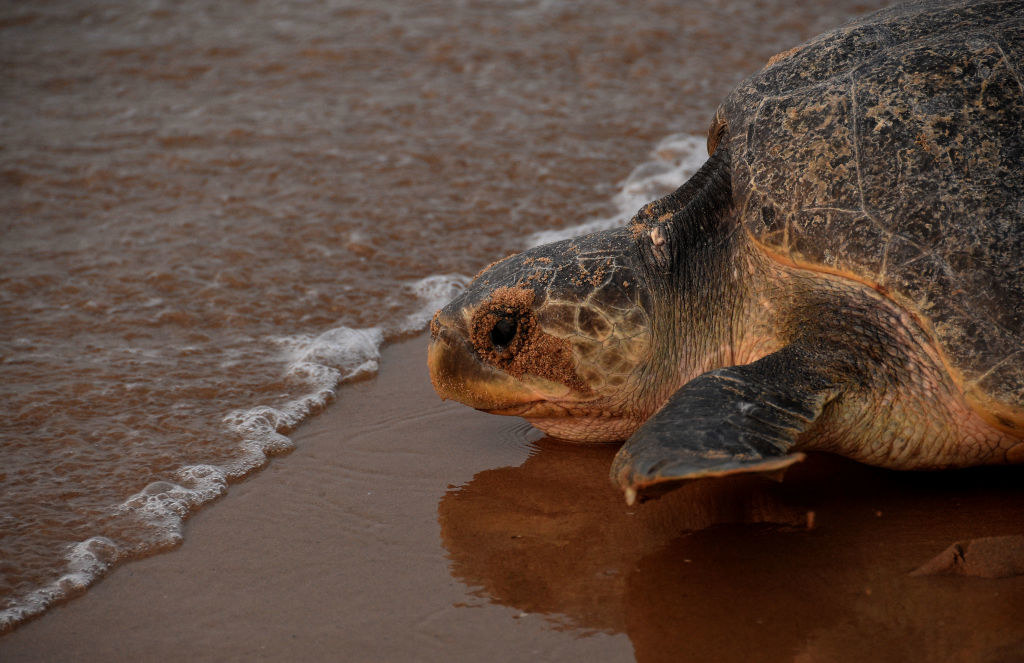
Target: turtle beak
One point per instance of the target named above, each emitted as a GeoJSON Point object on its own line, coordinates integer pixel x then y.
{"type": "Point", "coordinates": [457, 373]}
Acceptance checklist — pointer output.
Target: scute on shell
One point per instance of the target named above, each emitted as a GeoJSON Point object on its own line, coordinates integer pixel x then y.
{"type": "Point", "coordinates": [892, 149]}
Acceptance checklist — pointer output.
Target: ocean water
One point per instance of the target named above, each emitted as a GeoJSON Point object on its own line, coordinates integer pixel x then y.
{"type": "Point", "coordinates": [214, 214]}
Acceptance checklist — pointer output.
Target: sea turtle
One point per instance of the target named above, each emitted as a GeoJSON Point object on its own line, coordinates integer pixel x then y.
{"type": "Point", "coordinates": [844, 273]}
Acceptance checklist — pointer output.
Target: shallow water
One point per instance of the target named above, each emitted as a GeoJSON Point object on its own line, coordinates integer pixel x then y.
{"type": "Point", "coordinates": [215, 213]}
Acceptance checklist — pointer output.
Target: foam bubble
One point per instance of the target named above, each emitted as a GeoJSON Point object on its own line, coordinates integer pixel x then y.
{"type": "Point", "coordinates": [323, 362]}
{"type": "Point", "coordinates": [156, 514]}
{"type": "Point", "coordinates": [162, 506]}
{"type": "Point", "coordinates": [336, 355]}
{"type": "Point", "coordinates": [675, 159]}
{"type": "Point", "coordinates": [86, 562]}
{"type": "Point", "coordinates": [434, 292]}
{"type": "Point", "coordinates": [159, 511]}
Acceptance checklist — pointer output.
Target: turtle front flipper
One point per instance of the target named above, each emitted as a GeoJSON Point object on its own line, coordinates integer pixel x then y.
{"type": "Point", "coordinates": [730, 420]}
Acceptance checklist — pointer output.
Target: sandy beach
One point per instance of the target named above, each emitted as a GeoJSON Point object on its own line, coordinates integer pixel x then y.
{"type": "Point", "coordinates": [403, 528]}
{"type": "Point", "coordinates": [331, 553]}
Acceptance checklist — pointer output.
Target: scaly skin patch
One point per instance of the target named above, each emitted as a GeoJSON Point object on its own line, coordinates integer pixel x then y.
{"type": "Point", "coordinates": [607, 345]}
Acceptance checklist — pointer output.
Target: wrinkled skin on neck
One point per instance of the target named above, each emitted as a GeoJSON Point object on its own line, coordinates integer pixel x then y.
{"type": "Point", "coordinates": [587, 338]}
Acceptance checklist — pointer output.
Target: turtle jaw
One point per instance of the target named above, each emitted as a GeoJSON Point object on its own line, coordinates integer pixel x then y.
{"type": "Point", "coordinates": [458, 375]}
{"type": "Point", "coordinates": [586, 427]}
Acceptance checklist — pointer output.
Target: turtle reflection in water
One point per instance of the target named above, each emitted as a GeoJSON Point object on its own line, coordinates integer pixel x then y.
{"type": "Point", "coordinates": [845, 273]}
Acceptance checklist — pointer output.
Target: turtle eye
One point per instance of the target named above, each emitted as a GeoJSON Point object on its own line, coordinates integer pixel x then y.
{"type": "Point", "coordinates": [503, 331]}
{"type": "Point", "coordinates": [502, 325]}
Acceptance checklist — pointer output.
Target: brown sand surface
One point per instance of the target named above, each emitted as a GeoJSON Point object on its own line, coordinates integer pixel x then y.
{"type": "Point", "coordinates": [403, 528]}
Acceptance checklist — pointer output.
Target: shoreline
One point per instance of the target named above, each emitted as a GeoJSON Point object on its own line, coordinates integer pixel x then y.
{"type": "Point", "coordinates": [330, 552]}
{"type": "Point", "coordinates": [406, 528]}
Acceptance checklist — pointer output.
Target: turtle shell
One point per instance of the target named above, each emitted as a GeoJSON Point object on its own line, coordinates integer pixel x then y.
{"type": "Point", "coordinates": [891, 150]}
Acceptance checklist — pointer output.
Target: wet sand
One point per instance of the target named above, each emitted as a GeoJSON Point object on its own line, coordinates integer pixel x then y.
{"type": "Point", "coordinates": [403, 528]}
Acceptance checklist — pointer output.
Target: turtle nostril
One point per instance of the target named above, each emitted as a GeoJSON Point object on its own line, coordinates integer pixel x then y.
{"type": "Point", "coordinates": [503, 332]}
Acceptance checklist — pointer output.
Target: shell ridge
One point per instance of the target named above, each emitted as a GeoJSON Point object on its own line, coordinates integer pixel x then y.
{"type": "Point", "coordinates": [826, 208]}
{"type": "Point", "coordinates": [869, 212]}
{"type": "Point", "coordinates": [999, 364]}
{"type": "Point", "coordinates": [750, 128]}
{"type": "Point", "coordinates": [883, 268]}
{"type": "Point", "coordinates": [1009, 64]}
{"type": "Point", "coordinates": [855, 140]}
{"type": "Point", "coordinates": [799, 90]}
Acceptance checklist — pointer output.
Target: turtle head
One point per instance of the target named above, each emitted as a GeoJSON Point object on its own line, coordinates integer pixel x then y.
{"type": "Point", "coordinates": [560, 335]}
{"type": "Point", "coordinates": [586, 338]}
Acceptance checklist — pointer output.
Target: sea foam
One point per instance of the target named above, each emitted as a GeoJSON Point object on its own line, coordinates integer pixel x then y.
{"type": "Point", "coordinates": [320, 363]}
{"type": "Point", "coordinates": [433, 293]}
{"type": "Point", "coordinates": [156, 514]}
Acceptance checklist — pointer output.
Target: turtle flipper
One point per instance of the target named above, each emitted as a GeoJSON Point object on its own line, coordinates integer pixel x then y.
{"type": "Point", "coordinates": [730, 420]}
